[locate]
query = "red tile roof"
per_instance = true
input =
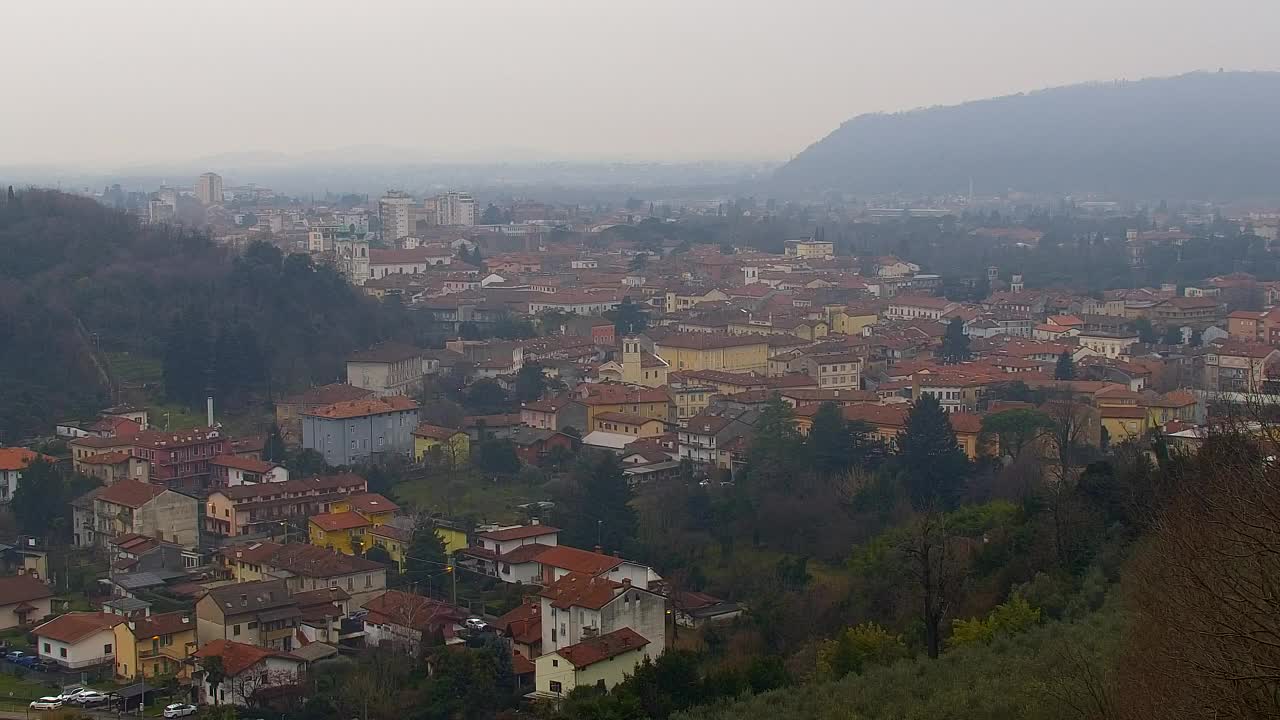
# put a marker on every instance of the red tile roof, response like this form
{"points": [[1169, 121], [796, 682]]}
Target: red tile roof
{"points": [[371, 503], [435, 432], [413, 611], [246, 464], [603, 647], [329, 394], [22, 588], [362, 408], [163, 624], [18, 458], [238, 657], [523, 624], [130, 493], [578, 589], [333, 522], [75, 626], [575, 560], [519, 533]]}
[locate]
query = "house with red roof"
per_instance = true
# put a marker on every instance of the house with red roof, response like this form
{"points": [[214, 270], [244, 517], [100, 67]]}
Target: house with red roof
{"points": [[599, 661], [77, 640], [247, 669], [580, 606], [13, 461], [134, 506], [232, 470], [23, 599]]}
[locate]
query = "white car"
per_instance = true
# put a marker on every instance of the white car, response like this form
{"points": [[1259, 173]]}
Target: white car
{"points": [[89, 698], [70, 693], [475, 624], [46, 703], [178, 710]]}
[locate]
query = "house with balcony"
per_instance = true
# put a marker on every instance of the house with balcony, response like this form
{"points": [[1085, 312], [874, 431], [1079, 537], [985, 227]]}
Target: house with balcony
{"points": [[305, 567], [180, 459], [704, 439], [155, 645], [404, 620], [136, 507], [1238, 366], [579, 606], [233, 470], [268, 508], [247, 670], [255, 613]]}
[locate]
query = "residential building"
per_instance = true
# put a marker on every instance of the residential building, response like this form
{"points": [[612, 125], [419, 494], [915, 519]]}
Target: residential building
{"points": [[600, 398], [132, 506], [555, 413], [1106, 344], [306, 567], [78, 640], [114, 466], [491, 551], [602, 661], [266, 508], [704, 439], [256, 613], [400, 619], [209, 189], [455, 208], [180, 459], [534, 445], [12, 462], [832, 370], [809, 249], [233, 470], [385, 369], [24, 599], [579, 606], [347, 433], [1236, 366], [523, 626], [340, 531], [394, 211], [246, 670], [913, 307], [628, 424], [154, 646], [410, 261], [289, 410], [395, 541], [449, 447]]}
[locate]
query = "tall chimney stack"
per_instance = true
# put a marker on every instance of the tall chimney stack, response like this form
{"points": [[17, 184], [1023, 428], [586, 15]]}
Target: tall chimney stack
{"points": [[208, 404]]}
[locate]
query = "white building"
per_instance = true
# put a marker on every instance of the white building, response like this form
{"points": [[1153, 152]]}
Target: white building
{"points": [[78, 639], [578, 607], [395, 210], [456, 208], [246, 669]]}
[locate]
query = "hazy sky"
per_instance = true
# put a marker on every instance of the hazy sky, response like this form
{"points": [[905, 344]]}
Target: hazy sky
{"points": [[94, 83]]}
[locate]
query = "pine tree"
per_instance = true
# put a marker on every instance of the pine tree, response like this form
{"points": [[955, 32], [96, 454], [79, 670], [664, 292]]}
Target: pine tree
{"points": [[955, 343], [274, 450], [426, 557], [600, 510], [1066, 368], [934, 466], [829, 443]]}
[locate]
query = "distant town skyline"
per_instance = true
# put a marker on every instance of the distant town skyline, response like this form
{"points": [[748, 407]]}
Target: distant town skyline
{"points": [[145, 82]]}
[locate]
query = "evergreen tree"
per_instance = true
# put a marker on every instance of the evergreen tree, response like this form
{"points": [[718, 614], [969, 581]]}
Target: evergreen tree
{"points": [[955, 343], [774, 447], [531, 382], [1066, 368], [426, 558], [629, 318], [40, 498], [599, 511], [274, 450], [934, 466], [1173, 335], [829, 443]]}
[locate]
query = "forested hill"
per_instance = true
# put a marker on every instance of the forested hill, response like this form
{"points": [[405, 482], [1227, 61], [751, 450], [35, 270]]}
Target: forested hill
{"points": [[75, 275], [1196, 136]]}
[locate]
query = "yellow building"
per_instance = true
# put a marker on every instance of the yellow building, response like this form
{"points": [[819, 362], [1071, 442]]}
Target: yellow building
{"points": [[441, 445], [714, 351], [342, 531], [600, 398], [851, 320], [345, 527], [395, 541], [1177, 405], [603, 660], [628, 424], [155, 646], [1124, 422]]}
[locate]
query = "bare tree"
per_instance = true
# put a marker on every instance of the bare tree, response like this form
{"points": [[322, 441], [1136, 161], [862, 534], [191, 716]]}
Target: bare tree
{"points": [[937, 562]]}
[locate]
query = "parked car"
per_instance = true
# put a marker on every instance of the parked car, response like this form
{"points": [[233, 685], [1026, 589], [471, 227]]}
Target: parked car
{"points": [[178, 710], [475, 624], [45, 666], [70, 692], [26, 660], [89, 698], [13, 655], [46, 703]]}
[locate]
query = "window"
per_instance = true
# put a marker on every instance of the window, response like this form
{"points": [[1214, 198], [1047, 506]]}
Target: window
{"points": [[368, 580], [235, 630], [555, 663], [62, 652], [555, 687], [253, 625], [351, 583], [46, 648]]}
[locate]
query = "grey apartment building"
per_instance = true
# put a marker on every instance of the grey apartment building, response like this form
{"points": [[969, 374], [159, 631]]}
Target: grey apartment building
{"points": [[346, 433]]}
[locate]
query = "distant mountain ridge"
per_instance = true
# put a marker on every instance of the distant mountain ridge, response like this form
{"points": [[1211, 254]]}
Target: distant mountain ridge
{"points": [[1199, 135]]}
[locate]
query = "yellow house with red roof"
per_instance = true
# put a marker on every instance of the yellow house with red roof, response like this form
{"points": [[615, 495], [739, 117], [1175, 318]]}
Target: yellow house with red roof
{"points": [[346, 526]]}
